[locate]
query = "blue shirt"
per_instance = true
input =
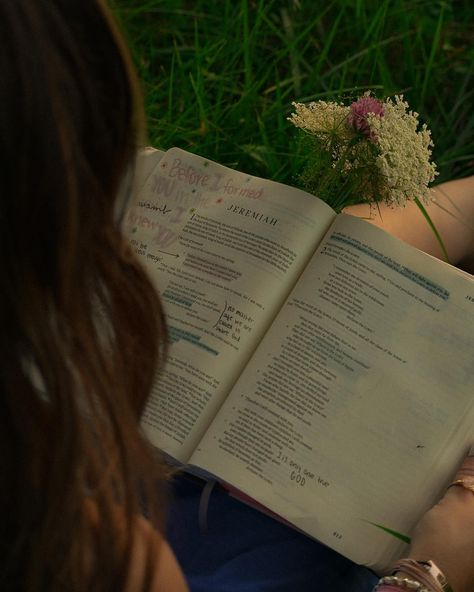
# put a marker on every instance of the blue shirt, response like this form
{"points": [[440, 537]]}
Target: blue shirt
{"points": [[244, 550]]}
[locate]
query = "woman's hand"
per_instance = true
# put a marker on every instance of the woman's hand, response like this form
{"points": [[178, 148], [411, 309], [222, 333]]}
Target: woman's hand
{"points": [[445, 534]]}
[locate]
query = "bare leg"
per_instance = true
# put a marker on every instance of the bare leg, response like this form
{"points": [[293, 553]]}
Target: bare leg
{"points": [[452, 212]]}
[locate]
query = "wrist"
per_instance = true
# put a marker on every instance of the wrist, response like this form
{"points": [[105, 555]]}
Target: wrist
{"points": [[400, 583], [414, 576], [426, 571]]}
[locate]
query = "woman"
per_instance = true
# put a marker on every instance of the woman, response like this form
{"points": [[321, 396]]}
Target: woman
{"points": [[82, 328]]}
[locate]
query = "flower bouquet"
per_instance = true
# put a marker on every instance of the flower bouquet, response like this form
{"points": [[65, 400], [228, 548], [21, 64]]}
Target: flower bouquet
{"points": [[368, 151]]}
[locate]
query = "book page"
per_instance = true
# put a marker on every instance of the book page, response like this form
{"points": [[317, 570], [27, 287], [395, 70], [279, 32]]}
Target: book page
{"points": [[145, 164], [358, 405], [224, 250]]}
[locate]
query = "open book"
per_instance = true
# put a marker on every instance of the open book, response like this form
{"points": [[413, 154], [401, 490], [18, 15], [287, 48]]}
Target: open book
{"points": [[317, 364]]}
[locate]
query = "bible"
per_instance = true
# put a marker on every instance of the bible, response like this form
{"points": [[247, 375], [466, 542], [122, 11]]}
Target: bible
{"points": [[317, 364]]}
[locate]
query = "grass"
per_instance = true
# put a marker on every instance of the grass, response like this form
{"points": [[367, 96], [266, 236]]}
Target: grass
{"points": [[219, 76]]}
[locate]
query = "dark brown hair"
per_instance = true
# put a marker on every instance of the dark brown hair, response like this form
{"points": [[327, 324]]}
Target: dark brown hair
{"points": [[81, 328]]}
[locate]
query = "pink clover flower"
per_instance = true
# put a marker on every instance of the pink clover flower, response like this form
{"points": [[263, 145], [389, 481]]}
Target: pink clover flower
{"points": [[357, 118]]}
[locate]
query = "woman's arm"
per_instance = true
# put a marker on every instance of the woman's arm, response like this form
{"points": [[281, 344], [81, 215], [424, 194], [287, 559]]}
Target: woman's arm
{"points": [[451, 210]]}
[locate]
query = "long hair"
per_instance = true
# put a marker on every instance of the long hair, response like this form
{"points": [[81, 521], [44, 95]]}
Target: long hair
{"points": [[81, 328]]}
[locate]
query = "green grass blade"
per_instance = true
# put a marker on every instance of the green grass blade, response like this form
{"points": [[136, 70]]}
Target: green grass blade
{"points": [[434, 48], [433, 227], [394, 533]]}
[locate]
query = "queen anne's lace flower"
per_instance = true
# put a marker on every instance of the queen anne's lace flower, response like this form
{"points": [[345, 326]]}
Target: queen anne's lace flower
{"points": [[321, 118], [405, 152]]}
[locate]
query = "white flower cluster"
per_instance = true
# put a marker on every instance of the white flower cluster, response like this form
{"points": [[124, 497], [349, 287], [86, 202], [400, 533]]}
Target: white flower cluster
{"points": [[405, 152], [322, 118]]}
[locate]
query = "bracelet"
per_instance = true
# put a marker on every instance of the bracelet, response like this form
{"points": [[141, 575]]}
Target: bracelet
{"points": [[388, 582], [427, 572]]}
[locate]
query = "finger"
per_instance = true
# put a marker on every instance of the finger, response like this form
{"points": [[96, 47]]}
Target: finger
{"points": [[466, 470], [463, 482]]}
